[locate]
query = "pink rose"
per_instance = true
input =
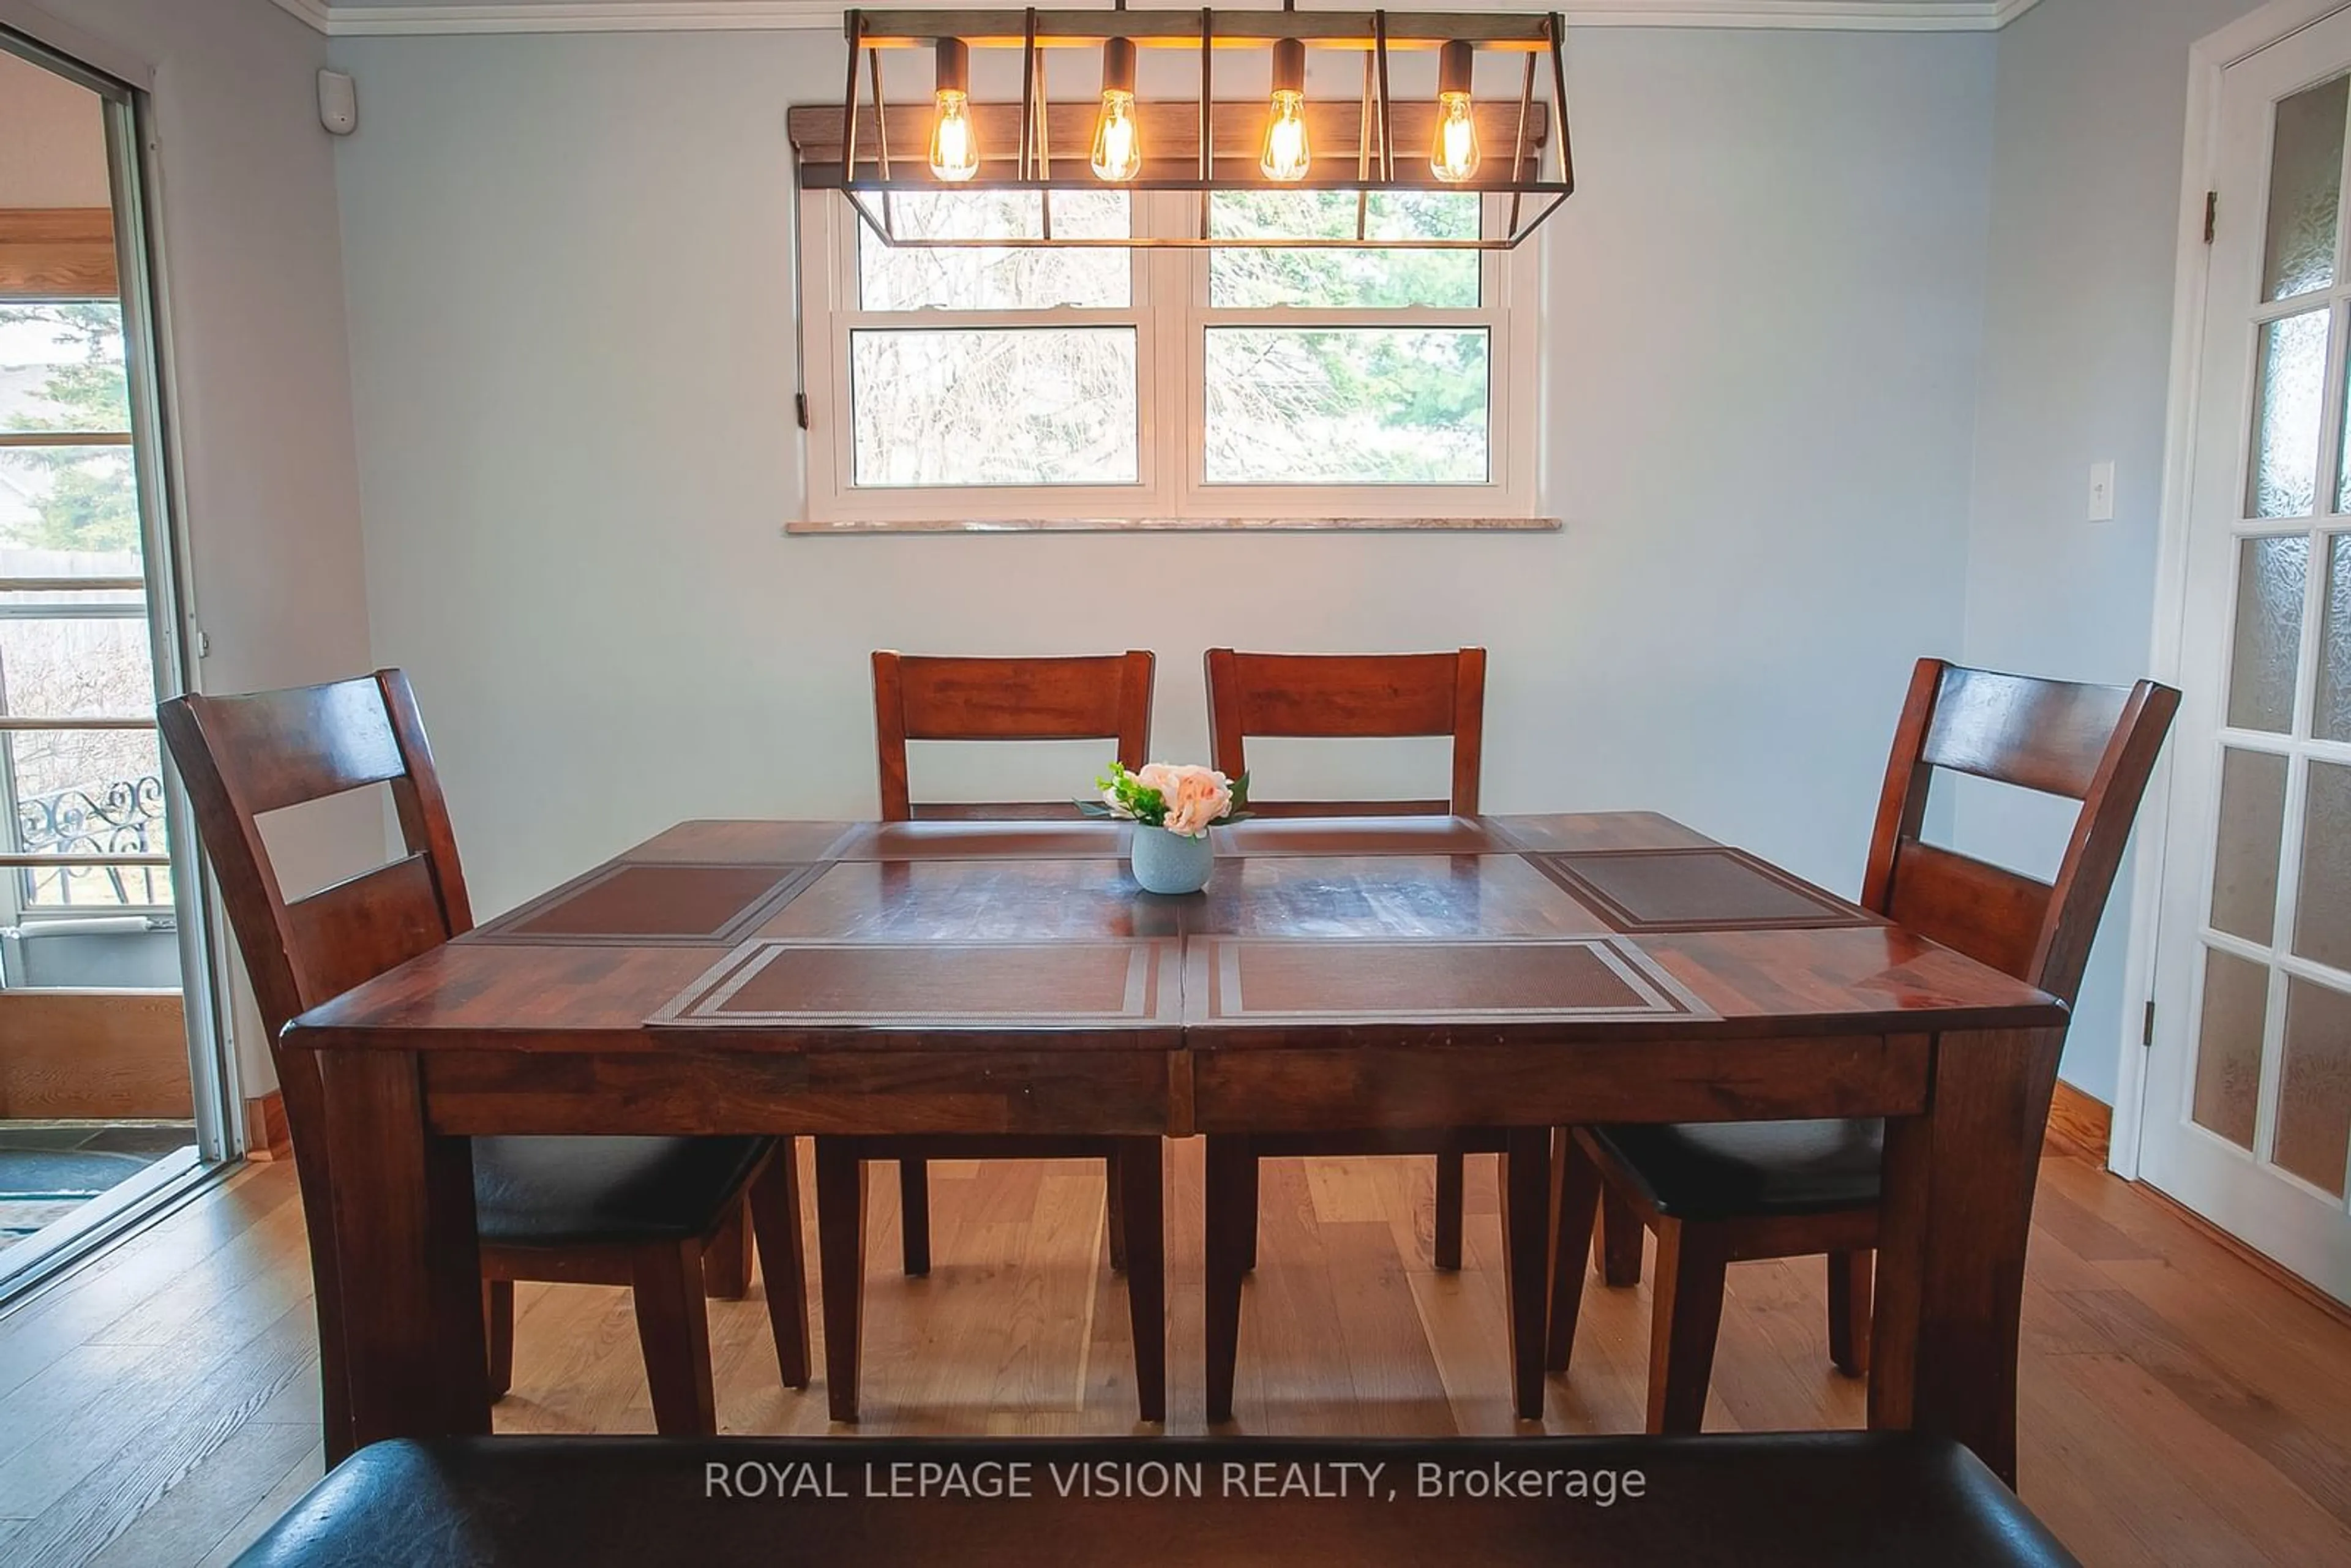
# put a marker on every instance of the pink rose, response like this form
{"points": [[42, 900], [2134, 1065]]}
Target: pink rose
{"points": [[1159, 776], [1199, 796]]}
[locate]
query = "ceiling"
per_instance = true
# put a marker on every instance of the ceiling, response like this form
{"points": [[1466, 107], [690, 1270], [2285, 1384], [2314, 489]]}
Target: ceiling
{"points": [[378, 17]]}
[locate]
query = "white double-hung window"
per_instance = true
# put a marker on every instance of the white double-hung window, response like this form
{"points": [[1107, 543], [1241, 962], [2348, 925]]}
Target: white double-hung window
{"points": [[1139, 386]]}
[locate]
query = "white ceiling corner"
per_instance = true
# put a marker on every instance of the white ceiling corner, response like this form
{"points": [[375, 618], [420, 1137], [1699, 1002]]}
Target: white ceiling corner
{"points": [[393, 18]]}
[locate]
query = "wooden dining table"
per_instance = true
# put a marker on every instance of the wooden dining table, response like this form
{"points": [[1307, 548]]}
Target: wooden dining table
{"points": [[1519, 972]]}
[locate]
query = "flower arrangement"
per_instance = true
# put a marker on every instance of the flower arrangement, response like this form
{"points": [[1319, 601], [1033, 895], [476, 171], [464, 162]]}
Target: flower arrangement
{"points": [[1182, 797]]}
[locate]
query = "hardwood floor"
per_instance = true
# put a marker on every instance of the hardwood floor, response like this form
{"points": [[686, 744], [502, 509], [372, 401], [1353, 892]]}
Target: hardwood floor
{"points": [[158, 1406]]}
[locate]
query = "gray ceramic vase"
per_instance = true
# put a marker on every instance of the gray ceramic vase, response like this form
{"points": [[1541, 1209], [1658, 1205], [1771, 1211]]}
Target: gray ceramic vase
{"points": [[1171, 862]]}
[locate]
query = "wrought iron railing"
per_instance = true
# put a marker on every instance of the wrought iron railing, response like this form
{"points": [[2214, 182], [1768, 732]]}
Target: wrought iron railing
{"points": [[121, 818]]}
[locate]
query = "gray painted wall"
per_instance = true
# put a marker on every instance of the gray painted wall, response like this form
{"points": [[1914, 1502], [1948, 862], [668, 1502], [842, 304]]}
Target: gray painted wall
{"points": [[567, 261], [584, 570], [1804, 422], [2088, 132]]}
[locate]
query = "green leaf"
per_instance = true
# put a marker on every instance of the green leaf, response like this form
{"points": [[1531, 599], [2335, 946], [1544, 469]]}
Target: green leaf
{"points": [[1143, 804]]}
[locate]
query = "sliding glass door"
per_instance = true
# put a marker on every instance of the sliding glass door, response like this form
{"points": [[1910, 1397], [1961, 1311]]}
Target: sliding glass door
{"points": [[112, 1090]]}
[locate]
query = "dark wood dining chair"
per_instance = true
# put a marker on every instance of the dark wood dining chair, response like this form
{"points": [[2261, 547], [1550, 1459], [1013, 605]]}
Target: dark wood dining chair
{"points": [[662, 1216], [1720, 1193], [1332, 696], [971, 699]]}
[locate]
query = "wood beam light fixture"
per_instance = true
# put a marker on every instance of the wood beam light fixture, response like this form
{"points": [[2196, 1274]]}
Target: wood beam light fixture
{"points": [[1512, 149]]}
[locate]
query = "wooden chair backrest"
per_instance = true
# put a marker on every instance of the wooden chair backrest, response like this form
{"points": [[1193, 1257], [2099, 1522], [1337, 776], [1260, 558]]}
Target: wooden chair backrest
{"points": [[1091, 699], [242, 757], [1370, 695], [2097, 745]]}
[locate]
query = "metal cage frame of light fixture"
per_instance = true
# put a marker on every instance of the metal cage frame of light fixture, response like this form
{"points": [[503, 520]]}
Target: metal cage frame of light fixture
{"points": [[1372, 33]]}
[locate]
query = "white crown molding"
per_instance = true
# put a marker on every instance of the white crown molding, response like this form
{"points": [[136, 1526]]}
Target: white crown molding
{"points": [[317, 13], [772, 16]]}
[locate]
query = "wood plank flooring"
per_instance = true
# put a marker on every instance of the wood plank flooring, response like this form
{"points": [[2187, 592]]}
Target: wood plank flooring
{"points": [[158, 1406]]}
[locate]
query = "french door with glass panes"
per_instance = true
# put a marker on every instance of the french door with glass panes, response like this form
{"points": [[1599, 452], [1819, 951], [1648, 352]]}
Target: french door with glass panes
{"points": [[2247, 1116]]}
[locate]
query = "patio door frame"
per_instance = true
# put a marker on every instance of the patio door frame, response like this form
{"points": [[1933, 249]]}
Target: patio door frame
{"points": [[2208, 60], [132, 169]]}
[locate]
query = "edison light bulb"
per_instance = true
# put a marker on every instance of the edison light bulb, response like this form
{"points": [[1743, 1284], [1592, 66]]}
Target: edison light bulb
{"points": [[1453, 157], [1286, 154], [1118, 151], [954, 151]]}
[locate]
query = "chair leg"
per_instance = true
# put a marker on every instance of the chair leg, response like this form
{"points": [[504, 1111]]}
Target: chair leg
{"points": [[1449, 1175], [841, 1248], [301, 1091], [1620, 1241], [1142, 1196], [1686, 1315], [497, 1323], [1577, 1180], [914, 1214], [1850, 1279], [727, 1259], [1231, 1224], [334, 1382], [1114, 1211], [1248, 1199], [674, 1329], [775, 1205]]}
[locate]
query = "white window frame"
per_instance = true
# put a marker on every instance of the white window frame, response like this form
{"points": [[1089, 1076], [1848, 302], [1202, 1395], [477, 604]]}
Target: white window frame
{"points": [[1170, 315], [20, 869]]}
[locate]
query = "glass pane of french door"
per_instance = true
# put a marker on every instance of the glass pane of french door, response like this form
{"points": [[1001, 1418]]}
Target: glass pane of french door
{"points": [[2314, 1130], [2305, 191], [2272, 579], [2229, 1053], [2272, 1068]]}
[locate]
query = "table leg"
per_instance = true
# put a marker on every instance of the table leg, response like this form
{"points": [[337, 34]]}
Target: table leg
{"points": [[1528, 1235], [840, 1268], [1958, 1210], [1230, 1222], [417, 1363], [1142, 1197]]}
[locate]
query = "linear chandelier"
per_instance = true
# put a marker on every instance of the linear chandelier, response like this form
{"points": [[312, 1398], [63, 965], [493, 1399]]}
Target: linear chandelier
{"points": [[872, 151]]}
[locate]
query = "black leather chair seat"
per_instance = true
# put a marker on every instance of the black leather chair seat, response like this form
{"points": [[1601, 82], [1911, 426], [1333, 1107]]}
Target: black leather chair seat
{"points": [[589, 1192], [1818, 1500], [1725, 1170]]}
